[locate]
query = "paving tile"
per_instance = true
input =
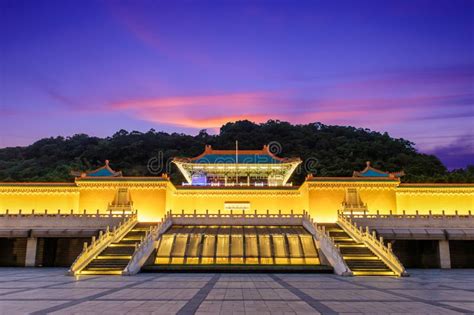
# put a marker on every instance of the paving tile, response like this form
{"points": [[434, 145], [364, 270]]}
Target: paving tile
{"points": [[40, 291], [25, 307], [438, 295], [387, 308]]}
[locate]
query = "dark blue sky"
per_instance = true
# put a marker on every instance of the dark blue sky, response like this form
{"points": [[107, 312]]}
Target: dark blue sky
{"points": [[406, 67]]}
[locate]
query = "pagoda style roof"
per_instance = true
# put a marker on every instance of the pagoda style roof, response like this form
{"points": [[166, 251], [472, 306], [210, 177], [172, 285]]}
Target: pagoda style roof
{"points": [[370, 171], [250, 163], [263, 156], [103, 171]]}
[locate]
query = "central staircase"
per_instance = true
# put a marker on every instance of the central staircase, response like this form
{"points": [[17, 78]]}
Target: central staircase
{"points": [[114, 259], [358, 257]]}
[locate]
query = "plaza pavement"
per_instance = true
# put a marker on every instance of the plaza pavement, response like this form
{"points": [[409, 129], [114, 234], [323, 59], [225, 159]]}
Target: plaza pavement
{"points": [[49, 291]]}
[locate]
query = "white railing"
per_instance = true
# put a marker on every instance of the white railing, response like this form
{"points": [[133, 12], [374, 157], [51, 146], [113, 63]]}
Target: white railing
{"points": [[377, 246], [90, 252], [63, 213], [145, 248], [328, 247], [416, 215], [237, 214]]}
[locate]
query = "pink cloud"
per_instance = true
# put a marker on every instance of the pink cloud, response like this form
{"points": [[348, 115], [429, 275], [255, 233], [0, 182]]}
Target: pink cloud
{"points": [[211, 111]]}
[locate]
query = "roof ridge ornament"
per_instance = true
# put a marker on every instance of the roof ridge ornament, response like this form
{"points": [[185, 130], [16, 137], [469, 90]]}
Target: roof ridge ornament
{"points": [[103, 171], [370, 171]]}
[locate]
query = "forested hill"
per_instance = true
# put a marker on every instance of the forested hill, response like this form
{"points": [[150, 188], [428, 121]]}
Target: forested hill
{"points": [[328, 151]]}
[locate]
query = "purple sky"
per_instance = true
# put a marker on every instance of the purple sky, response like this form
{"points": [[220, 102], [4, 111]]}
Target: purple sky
{"points": [[406, 67]]}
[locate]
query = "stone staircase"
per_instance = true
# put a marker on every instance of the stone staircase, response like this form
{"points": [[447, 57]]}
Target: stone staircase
{"points": [[360, 259], [116, 256]]}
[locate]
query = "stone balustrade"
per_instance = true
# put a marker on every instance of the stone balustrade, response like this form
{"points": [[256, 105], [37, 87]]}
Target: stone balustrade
{"points": [[416, 220], [57, 224], [237, 218]]}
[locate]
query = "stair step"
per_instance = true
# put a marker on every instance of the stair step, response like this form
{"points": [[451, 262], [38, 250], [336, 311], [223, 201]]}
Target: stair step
{"points": [[109, 257], [373, 273], [100, 272], [121, 245], [360, 258]]}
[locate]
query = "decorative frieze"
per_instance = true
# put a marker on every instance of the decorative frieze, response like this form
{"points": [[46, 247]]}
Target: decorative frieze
{"points": [[358, 185], [28, 190], [237, 193], [115, 185], [413, 191]]}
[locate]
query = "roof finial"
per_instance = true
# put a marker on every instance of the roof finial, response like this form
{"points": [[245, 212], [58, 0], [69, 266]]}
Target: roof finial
{"points": [[368, 163], [107, 162]]}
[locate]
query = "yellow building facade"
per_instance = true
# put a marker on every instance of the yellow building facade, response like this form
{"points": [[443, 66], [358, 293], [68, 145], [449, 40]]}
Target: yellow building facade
{"points": [[237, 186]]}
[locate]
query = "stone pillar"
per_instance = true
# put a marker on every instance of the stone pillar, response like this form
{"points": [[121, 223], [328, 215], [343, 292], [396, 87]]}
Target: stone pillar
{"points": [[444, 255], [31, 244]]}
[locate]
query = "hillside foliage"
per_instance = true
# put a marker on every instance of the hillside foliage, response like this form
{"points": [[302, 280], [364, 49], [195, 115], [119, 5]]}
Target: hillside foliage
{"points": [[326, 151]]}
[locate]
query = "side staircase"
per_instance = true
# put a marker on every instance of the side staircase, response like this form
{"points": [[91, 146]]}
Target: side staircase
{"points": [[114, 258], [358, 257]]}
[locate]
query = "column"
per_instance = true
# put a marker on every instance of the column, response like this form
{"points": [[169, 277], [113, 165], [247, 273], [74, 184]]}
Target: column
{"points": [[31, 244], [444, 256]]}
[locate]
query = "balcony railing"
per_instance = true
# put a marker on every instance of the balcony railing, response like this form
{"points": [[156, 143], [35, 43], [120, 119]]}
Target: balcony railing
{"points": [[65, 213]]}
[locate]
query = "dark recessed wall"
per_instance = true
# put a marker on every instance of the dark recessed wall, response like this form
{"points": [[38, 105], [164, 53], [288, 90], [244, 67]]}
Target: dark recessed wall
{"points": [[417, 253], [462, 254], [12, 252], [58, 252]]}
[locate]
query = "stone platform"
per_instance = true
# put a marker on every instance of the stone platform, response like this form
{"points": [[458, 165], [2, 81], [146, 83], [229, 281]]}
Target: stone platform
{"points": [[44, 291]]}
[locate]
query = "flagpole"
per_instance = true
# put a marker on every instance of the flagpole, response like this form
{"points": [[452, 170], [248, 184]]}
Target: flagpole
{"points": [[236, 161]]}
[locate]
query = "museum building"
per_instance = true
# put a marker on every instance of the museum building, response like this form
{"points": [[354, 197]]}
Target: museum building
{"points": [[237, 211]]}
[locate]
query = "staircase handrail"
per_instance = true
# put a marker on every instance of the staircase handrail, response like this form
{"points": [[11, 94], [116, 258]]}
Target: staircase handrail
{"points": [[328, 247], [384, 252], [91, 251], [146, 246]]}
